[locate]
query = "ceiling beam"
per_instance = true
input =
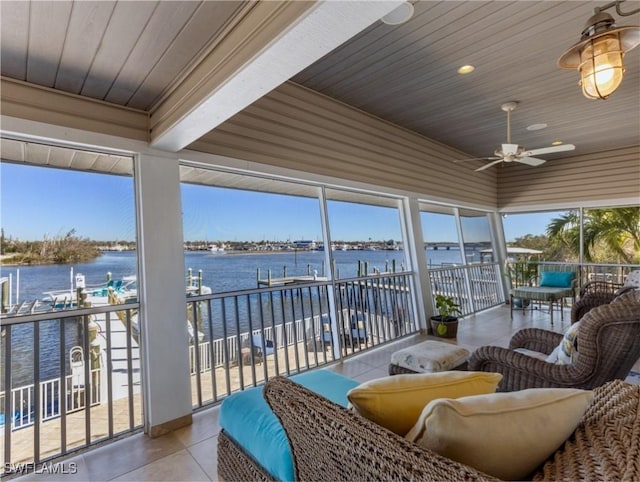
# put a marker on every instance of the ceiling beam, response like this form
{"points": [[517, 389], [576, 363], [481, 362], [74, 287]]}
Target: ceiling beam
{"points": [[270, 44]]}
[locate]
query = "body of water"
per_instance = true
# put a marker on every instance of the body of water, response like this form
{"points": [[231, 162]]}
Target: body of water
{"points": [[221, 272]]}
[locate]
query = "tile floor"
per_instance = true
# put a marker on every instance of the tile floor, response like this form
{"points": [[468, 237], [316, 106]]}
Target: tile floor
{"points": [[189, 454]]}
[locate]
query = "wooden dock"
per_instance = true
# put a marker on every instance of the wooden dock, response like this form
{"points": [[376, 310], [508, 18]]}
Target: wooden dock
{"points": [[289, 280], [286, 280]]}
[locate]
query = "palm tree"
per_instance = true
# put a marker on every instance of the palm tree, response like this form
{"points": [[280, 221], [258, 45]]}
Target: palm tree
{"points": [[612, 234]]}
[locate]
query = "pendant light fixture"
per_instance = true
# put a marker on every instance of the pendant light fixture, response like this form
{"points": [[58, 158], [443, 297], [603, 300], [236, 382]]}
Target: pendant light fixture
{"points": [[598, 56]]}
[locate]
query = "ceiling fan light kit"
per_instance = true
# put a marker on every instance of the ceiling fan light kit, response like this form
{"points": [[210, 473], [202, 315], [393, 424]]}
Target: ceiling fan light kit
{"points": [[510, 152], [598, 56]]}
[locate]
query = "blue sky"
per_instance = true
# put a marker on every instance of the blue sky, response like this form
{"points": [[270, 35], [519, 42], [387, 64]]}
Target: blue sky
{"points": [[38, 201]]}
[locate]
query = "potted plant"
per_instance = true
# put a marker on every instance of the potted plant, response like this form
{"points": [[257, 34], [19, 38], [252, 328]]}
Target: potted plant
{"points": [[445, 324]]}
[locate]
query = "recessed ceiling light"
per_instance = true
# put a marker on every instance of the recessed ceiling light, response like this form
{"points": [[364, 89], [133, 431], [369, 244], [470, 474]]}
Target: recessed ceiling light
{"points": [[466, 69], [556, 143], [400, 15], [536, 127]]}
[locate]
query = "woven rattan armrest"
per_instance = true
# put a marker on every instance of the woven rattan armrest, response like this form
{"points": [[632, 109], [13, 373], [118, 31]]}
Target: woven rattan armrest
{"points": [[588, 302], [520, 371], [536, 339], [332, 443]]}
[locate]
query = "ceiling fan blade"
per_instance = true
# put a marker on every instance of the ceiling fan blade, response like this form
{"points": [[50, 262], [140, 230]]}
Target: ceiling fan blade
{"points": [[477, 159], [486, 166], [549, 150], [530, 161]]}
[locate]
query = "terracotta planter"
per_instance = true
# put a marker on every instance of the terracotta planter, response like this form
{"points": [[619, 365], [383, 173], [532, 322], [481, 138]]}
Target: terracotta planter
{"points": [[450, 325]]}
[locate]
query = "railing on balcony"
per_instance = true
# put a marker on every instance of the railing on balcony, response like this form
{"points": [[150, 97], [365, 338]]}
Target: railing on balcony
{"points": [[523, 273], [245, 337], [70, 379], [51, 392], [474, 287]]}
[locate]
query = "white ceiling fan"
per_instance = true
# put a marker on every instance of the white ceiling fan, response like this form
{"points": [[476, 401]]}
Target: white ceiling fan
{"points": [[513, 152]]}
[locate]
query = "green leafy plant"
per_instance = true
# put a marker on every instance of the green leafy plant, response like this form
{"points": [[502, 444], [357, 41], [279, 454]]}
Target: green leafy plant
{"points": [[447, 309], [521, 273]]}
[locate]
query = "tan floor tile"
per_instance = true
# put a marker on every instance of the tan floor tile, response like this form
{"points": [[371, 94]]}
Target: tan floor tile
{"points": [[379, 372], [205, 425], [180, 466], [350, 368], [71, 469], [205, 453], [131, 453]]}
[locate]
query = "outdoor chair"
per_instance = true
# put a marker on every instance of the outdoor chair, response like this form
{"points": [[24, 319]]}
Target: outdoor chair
{"points": [[261, 347], [608, 345], [596, 293], [326, 332], [321, 339], [554, 284], [358, 328]]}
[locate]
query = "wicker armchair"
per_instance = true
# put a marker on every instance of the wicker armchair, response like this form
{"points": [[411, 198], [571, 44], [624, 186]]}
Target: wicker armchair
{"points": [[596, 293], [608, 347], [592, 294]]}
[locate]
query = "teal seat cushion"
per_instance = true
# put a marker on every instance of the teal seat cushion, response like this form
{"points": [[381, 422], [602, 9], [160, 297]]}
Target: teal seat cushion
{"points": [[557, 279], [246, 418]]}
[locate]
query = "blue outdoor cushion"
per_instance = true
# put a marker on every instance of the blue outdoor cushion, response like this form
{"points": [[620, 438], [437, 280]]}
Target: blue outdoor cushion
{"points": [[246, 418], [557, 279]]}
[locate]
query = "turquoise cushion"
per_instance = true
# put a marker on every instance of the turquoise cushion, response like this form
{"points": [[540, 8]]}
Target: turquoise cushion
{"points": [[246, 418], [556, 279]]}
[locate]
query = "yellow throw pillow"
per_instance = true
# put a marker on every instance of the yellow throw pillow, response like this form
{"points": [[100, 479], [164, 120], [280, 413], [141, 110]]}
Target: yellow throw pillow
{"points": [[395, 402], [506, 435]]}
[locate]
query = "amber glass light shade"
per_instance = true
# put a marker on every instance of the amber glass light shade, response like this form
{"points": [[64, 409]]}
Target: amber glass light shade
{"points": [[601, 68]]}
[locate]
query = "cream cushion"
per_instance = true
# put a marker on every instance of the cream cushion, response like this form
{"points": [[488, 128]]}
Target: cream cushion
{"points": [[532, 353], [633, 279], [430, 356], [395, 402], [506, 435]]}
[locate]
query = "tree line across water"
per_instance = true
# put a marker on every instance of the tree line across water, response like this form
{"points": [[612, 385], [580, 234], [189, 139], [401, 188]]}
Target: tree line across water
{"points": [[61, 249], [609, 236]]}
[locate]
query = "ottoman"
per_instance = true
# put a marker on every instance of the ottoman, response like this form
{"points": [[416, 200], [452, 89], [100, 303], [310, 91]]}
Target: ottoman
{"points": [[429, 357]]}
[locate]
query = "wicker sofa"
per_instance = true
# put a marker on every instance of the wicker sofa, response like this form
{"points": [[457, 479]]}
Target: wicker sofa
{"points": [[331, 443]]}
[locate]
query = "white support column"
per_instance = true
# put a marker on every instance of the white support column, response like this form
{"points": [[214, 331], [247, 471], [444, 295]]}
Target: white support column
{"points": [[164, 353], [328, 260], [499, 248], [414, 247]]}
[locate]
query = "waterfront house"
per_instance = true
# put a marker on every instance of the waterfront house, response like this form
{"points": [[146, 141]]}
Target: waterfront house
{"points": [[312, 98]]}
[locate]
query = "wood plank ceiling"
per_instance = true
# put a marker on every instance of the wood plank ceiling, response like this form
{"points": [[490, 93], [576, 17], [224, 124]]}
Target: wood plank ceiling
{"points": [[407, 75], [134, 54], [126, 53]]}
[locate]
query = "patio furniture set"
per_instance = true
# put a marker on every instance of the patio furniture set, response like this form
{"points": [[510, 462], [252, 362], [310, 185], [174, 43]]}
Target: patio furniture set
{"points": [[301, 428]]}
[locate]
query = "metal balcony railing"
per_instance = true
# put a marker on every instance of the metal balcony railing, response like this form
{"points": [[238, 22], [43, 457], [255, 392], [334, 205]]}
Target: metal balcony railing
{"points": [[70, 379], [523, 273], [243, 338], [474, 287]]}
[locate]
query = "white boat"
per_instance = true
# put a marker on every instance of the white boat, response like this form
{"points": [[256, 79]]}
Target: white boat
{"points": [[120, 291], [123, 290]]}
